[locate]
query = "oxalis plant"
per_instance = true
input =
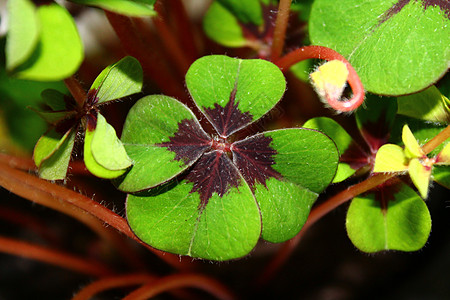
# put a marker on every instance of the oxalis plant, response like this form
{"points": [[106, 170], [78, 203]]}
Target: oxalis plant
{"points": [[198, 156]]}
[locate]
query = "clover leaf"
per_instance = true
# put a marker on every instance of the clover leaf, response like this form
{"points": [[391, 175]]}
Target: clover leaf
{"points": [[380, 39], [104, 154], [391, 218], [209, 193]]}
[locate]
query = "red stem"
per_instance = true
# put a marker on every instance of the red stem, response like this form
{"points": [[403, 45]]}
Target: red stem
{"points": [[176, 281], [73, 204], [183, 28], [27, 164], [58, 258], [77, 91], [153, 65], [281, 24], [170, 42], [325, 53], [28, 221], [437, 140], [89, 291]]}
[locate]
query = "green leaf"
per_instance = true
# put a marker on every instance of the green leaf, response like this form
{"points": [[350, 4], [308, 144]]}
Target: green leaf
{"points": [[24, 126], [151, 121], [118, 80], [412, 147], [221, 26], [59, 51], [405, 225], [54, 166], [390, 158], [54, 99], [396, 47], [376, 119], [420, 176], [305, 157], [421, 130], [441, 174], [47, 145], [342, 139], [302, 69], [254, 86], [23, 33], [104, 154], [247, 11], [428, 105], [133, 8], [171, 218], [306, 160], [53, 118]]}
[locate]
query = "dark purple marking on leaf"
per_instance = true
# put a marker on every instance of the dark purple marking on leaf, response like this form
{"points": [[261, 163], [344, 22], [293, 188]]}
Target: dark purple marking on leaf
{"points": [[444, 5], [213, 173], [91, 121], [386, 192], [92, 97], [226, 120], [395, 9], [376, 134], [254, 158], [355, 156], [189, 142], [265, 31]]}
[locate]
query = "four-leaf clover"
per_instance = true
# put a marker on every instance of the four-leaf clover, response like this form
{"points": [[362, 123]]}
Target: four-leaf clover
{"points": [[209, 194]]}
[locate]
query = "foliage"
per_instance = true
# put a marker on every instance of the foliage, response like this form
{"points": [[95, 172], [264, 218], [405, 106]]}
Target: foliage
{"points": [[210, 173], [229, 187], [53, 150], [380, 40]]}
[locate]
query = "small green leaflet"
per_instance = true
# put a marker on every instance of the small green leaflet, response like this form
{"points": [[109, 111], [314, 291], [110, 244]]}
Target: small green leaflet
{"points": [[118, 80], [104, 154], [404, 224], [52, 154]]}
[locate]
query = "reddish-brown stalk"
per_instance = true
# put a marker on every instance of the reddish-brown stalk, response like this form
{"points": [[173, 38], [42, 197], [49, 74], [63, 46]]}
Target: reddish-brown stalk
{"points": [[77, 91], [58, 258], [279, 33], [72, 204], [27, 164], [177, 281], [104, 284], [32, 223], [437, 140], [20, 163], [13, 182], [169, 40], [153, 65], [183, 28], [308, 52]]}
